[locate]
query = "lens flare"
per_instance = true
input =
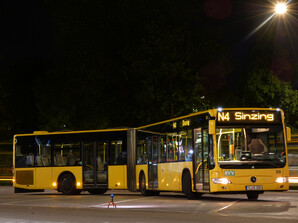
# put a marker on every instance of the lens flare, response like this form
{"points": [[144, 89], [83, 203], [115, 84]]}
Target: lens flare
{"points": [[281, 8]]}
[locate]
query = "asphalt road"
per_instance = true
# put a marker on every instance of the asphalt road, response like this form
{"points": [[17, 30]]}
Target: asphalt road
{"points": [[51, 206]]}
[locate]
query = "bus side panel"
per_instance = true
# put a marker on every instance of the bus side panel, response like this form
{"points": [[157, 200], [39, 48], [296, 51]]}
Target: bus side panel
{"points": [[75, 170], [140, 168], [117, 177], [43, 176], [170, 175], [25, 178]]}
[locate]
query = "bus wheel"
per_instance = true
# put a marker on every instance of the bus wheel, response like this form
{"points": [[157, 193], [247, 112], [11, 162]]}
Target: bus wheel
{"points": [[142, 183], [186, 186], [97, 191], [252, 196], [68, 185]]}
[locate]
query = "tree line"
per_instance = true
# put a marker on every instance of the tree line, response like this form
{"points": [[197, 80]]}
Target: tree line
{"points": [[100, 64]]}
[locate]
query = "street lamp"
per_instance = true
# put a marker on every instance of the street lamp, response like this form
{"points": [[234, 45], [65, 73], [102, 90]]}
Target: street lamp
{"points": [[280, 8]]}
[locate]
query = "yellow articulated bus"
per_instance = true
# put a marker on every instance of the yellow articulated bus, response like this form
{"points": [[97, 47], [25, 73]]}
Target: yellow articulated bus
{"points": [[238, 150]]}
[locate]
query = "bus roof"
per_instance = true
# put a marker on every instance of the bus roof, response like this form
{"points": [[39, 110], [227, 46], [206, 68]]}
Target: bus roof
{"points": [[72, 132], [212, 113]]}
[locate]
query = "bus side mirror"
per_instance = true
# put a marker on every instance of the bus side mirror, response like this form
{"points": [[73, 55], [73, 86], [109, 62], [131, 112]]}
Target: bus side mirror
{"points": [[211, 127], [289, 136]]}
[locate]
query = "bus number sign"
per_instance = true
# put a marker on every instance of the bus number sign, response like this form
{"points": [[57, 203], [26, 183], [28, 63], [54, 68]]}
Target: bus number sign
{"points": [[182, 123], [245, 116]]}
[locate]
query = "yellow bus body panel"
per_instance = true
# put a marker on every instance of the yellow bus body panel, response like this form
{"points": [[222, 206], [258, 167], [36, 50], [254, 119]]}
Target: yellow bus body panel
{"points": [[242, 178], [170, 175], [44, 177], [139, 168], [117, 177]]}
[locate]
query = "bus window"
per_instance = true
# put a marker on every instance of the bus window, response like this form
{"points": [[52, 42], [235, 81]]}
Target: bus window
{"points": [[172, 148], [117, 154], [249, 144], [185, 145], [101, 148], [155, 150], [162, 150], [25, 153], [276, 143], [141, 152], [67, 154], [43, 156], [230, 144]]}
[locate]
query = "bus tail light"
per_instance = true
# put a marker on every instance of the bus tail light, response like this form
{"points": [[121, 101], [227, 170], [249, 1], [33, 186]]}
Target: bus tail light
{"points": [[221, 181]]}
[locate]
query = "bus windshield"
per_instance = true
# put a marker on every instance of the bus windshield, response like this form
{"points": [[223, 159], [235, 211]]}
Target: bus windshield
{"points": [[257, 147]]}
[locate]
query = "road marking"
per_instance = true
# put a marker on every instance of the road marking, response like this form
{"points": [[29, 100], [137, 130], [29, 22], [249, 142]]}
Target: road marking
{"points": [[223, 208]]}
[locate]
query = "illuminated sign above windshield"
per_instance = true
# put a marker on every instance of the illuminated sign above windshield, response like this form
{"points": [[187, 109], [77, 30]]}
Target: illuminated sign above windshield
{"points": [[247, 116], [182, 123]]}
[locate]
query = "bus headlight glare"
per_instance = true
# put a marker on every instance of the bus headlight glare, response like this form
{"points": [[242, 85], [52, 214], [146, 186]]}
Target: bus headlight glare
{"points": [[281, 180], [221, 181]]}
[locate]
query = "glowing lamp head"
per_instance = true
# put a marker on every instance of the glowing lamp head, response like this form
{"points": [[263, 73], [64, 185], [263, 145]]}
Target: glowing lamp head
{"points": [[281, 8]]}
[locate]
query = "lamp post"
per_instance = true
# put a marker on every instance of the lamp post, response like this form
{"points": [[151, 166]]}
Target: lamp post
{"points": [[281, 8]]}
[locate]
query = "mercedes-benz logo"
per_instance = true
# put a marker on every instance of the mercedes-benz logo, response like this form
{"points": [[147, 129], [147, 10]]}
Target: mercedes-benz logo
{"points": [[253, 179]]}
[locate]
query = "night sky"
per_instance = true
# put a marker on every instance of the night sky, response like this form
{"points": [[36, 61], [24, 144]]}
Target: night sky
{"points": [[98, 64]]}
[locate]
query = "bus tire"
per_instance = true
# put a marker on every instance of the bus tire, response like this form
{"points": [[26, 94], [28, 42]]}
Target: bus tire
{"points": [[252, 195], [67, 185], [97, 191], [186, 186], [142, 183]]}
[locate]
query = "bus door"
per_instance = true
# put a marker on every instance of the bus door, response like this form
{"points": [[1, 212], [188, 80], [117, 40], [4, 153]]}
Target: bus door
{"points": [[95, 166], [152, 163], [201, 169]]}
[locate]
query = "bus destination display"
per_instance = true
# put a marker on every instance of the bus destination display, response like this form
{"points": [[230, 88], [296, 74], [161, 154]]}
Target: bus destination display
{"points": [[248, 116]]}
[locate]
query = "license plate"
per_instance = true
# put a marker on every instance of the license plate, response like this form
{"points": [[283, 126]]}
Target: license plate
{"points": [[254, 187]]}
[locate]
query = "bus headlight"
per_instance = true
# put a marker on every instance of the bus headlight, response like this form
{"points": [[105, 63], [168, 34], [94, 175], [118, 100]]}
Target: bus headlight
{"points": [[221, 181], [281, 180]]}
